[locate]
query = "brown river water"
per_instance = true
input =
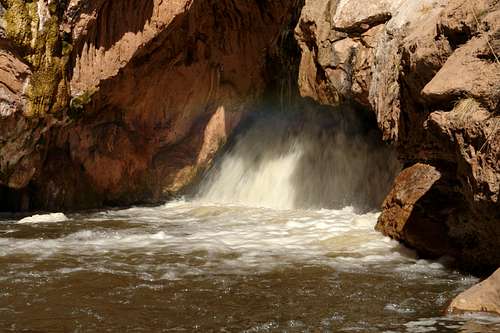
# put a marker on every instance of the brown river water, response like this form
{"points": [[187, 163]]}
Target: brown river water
{"points": [[255, 250], [186, 267]]}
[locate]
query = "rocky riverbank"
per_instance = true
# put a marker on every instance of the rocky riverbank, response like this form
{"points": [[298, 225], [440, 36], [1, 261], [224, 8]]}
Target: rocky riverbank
{"points": [[429, 71]]}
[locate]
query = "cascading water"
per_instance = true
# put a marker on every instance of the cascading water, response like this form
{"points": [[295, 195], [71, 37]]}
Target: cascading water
{"points": [[227, 259], [306, 160]]}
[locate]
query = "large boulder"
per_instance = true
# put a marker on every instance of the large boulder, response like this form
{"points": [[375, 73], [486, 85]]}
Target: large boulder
{"points": [[483, 297], [404, 217]]}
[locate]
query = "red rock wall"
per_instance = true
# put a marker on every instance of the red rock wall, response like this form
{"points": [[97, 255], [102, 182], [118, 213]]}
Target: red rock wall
{"points": [[157, 88]]}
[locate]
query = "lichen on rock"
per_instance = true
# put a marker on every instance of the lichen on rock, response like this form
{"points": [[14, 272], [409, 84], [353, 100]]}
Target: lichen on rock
{"points": [[143, 90], [20, 18], [79, 101], [156, 88]]}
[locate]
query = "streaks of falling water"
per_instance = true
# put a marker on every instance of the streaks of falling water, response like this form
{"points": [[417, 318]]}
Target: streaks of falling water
{"points": [[284, 161]]}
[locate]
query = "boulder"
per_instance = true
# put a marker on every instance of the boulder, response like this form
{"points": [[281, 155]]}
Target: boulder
{"points": [[403, 218], [483, 297]]}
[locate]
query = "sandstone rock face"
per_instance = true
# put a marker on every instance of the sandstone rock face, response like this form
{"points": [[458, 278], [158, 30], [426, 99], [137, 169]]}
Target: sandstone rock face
{"points": [[483, 297], [429, 70], [404, 217], [155, 89]]}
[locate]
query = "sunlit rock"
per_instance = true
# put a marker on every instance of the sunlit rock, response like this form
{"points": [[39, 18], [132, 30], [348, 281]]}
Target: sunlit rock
{"points": [[483, 297]]}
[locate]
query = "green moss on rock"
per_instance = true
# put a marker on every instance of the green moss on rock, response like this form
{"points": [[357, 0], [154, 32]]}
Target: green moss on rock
{"points": [[43, 49], [19, 18], [67, 48], [78, 102]]}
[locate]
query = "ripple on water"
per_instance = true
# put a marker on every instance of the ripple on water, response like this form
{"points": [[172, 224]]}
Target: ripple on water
{"points": [[258, 269]]}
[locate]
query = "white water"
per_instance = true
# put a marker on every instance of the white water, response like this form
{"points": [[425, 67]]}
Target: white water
{"points": [[273, 210], [231, 239], [172, 251], [44, 218], [285, 163], [262, 206]]}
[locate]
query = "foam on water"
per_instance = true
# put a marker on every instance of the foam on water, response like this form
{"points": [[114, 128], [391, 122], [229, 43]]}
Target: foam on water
{"points": [[186, 227], [269, 226], [44, 218], [225, 239], [468, 322], [261, 206]]}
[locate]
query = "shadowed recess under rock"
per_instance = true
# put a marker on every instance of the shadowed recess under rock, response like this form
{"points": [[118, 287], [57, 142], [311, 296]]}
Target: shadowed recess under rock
{"points": [[304, 159]]}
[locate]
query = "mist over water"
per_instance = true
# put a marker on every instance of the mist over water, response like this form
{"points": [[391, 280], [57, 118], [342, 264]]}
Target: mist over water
{"points": [[305, 160]]}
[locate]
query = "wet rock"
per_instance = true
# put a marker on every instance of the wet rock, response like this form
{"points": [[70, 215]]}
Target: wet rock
{"points": [[483, 297], [120, 102]]}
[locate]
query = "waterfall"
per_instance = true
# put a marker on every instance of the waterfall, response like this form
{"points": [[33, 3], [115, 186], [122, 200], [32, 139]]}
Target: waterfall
{"points": [[303, 160]]}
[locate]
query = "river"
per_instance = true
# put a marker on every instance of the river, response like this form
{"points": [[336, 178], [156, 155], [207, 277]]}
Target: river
{"points": [[275, 241]]}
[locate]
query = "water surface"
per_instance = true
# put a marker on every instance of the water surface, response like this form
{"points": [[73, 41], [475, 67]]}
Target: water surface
{"points": [[191, 266], [254, 250]]}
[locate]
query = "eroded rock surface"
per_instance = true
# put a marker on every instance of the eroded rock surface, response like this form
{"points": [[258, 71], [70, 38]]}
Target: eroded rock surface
{"points": [[156, 87], [429, 70], [483, 297], [404, 217]]}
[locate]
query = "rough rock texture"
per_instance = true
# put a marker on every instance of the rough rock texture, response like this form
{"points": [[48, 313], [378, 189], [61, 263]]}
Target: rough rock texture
{"points": [[404, 217], [429, 70], [483, 297], [33, 87], [152, 89]]}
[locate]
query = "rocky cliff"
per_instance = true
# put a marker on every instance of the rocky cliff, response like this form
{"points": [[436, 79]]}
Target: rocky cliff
{"points": [[118, 102], [429, 70]]}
